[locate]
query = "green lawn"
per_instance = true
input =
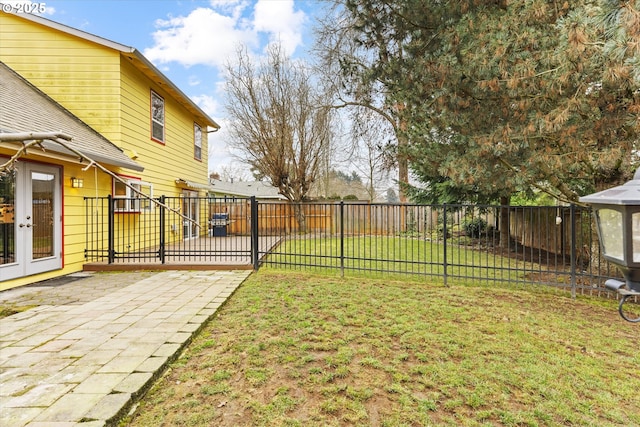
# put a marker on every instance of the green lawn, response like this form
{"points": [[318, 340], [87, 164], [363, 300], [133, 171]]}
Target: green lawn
{"points": [[399, 256], [298, 349]]}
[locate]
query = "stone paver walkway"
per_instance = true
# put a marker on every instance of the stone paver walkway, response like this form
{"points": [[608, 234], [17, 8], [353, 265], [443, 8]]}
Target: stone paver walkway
{"points": [[90, 347]]}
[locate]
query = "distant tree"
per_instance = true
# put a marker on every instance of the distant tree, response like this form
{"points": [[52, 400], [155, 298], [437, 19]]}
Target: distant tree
{"points": [[230, 173], [361, 97], [376, 152], [392, 197], [279, 121], [338, 184], [348, 178]]}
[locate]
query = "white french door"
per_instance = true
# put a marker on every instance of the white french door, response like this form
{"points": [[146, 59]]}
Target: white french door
{"points": [[190, 210], [30, 220]]}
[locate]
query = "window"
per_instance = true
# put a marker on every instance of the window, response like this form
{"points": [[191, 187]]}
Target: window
{"points": [[197, 142], [157, 117], [127, 200]]}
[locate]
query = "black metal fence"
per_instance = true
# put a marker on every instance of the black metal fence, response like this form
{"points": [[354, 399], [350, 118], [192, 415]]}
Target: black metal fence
{"points": [[517, 245], [188, 230], [509, 244]]}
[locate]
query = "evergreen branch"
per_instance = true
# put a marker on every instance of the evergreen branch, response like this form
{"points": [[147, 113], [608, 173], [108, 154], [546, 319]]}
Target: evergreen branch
{"points": [[568, 197], [540, 74], [404, 17]]}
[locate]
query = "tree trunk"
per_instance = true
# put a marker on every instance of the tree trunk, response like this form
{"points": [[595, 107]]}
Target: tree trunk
{"points": [[301, 219], [504, 223], [403, 167]]}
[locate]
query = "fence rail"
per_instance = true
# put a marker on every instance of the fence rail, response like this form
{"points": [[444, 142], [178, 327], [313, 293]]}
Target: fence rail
{"points": [[177, 230], [511, 244]]}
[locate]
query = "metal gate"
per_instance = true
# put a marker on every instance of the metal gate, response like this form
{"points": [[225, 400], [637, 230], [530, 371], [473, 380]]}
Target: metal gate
{"points": [[137, 230]]}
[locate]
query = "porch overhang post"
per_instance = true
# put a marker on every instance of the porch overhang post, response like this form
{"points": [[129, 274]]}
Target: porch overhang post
{"points": [[111, 229]]}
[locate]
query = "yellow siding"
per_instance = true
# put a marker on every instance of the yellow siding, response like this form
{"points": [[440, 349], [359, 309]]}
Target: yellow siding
{"points": [[108, 93], [79, 74], [163, 163], [73, 219], [105, 90]]}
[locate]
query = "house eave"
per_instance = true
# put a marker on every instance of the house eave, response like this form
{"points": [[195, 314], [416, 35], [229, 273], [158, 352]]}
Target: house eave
{"points": [[138, 60], [52, 150], [192, 184]]}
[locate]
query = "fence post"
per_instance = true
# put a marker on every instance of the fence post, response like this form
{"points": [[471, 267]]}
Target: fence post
{"points": [[110, 230], [341, 238], [162, 230], [254, 234], [444, 226], [87, 223], [572, 211]]}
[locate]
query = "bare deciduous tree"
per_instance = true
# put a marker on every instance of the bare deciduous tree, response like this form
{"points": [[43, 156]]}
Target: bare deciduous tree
{"points": [[280, 122], [232, 173], [344, 61]]}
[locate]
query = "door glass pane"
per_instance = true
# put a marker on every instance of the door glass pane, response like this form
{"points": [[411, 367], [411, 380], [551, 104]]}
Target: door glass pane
{"points": [[7, 226], [190, 210], [43, 189]]}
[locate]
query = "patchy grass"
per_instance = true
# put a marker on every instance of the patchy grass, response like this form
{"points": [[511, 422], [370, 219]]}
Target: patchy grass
{"points": [[293, 349], [10, 310]]}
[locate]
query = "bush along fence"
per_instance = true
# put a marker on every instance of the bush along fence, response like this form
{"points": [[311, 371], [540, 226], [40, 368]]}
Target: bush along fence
{"points": [[554, 246]]}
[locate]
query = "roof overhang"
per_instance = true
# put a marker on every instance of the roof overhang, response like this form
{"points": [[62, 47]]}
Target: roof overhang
{"points": [[191, 184], [53, 150], [137, 59], [148, 69], [131, 165]]}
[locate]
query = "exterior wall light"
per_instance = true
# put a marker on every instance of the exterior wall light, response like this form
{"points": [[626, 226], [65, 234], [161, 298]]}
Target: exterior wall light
{"points": [[617, 212], [77, 183]]}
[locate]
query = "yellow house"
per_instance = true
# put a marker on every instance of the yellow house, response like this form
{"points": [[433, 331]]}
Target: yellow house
{"points": [[156, 138]]}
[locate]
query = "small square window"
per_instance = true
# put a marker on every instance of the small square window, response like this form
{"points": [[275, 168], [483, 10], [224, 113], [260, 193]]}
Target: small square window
{"points": [[128, 200], [157, 117], [197, 142]]}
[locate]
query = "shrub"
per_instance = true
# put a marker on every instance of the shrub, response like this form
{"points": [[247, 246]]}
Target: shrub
{"points": [[475, 227]]}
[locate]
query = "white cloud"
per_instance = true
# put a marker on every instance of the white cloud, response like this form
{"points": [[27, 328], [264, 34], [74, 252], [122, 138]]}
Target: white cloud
{"points": [[208, 104], [220, 155], [281, 22], [211, 36], [229, 6], [203, 37]]}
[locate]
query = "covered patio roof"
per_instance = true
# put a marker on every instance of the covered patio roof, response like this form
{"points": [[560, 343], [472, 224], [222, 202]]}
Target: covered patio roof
{"points": [[25, 108]]}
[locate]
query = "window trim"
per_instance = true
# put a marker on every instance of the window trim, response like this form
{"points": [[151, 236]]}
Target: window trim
{"points": [[131, 202], [197, 149], [153, 95]]}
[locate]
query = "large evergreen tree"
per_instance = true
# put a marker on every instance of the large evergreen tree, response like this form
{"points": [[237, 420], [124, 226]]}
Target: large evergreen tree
{"points": [[504, 96]]}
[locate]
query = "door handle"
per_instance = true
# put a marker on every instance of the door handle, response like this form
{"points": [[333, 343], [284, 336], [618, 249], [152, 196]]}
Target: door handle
{"points": [[24, 225]]}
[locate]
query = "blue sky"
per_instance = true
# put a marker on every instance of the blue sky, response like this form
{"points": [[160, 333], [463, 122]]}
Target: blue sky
{"points": [[191, 40]]}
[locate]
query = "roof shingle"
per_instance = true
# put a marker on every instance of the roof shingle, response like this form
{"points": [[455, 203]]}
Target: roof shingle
{"points": [[25, 108]]}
